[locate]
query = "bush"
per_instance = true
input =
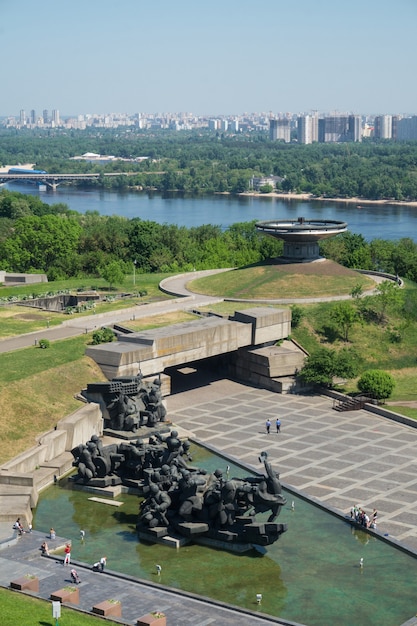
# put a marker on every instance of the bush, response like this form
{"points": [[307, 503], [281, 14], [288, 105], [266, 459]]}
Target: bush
{"points": [[44, 343], [103, 335], [297, 314], [376, 384]]}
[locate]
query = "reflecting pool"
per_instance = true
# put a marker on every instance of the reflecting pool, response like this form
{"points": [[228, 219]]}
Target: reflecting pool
{"points": [[311, 575]]}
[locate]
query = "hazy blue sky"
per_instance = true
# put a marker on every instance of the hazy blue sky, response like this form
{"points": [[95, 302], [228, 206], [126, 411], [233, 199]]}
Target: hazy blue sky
{"points": [[208, 57]]}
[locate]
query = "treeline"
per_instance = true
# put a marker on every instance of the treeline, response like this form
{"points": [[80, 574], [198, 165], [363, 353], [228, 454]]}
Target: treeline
{"points": [[37, 237], [205, 163]]}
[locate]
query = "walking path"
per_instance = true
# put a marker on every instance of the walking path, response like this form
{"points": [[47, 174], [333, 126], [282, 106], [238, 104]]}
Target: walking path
{"points": [[137, 597]]}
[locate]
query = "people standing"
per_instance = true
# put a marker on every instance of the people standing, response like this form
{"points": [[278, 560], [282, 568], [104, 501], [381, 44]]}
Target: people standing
{"points": [[103, 562], [67, 559], [268, 426], [278, 425]]}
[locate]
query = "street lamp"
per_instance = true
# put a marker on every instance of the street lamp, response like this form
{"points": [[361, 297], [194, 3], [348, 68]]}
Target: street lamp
{"points": [[134, 272]]}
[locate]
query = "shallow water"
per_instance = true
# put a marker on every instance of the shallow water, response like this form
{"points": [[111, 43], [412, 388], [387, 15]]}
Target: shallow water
{"points": [[311, 575]]}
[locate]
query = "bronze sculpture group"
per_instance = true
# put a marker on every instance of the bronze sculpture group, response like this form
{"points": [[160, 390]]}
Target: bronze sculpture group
{"points": [[177, 497], [128, 403]]}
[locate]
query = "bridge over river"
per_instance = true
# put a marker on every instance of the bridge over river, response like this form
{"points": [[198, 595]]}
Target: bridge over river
{"points": [[53, 180]]}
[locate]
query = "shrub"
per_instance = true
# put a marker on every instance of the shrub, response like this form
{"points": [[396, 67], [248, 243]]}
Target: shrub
{"points": [[44, 343], [297, 315], [103, 335], [376, 384]]}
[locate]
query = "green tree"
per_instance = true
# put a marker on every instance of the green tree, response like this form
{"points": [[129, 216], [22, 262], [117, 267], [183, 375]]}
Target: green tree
{"points": [[344, 315], [113, 273], [357, 291], [266, 188], [389, 295], [42, 244], [324, 365], [376, 384]]}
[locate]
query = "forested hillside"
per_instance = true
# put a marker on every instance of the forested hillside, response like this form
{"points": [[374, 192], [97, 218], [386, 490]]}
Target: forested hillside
{"points": [[37, 237]]}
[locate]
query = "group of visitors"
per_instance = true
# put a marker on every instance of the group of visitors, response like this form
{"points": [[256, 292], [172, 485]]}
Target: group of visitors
{"points": [[97, 567], [268, 425], [362, 518]]}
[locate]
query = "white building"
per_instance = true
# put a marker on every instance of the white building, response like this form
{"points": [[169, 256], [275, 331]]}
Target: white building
{"points": [[307, 128], [383, 127]]}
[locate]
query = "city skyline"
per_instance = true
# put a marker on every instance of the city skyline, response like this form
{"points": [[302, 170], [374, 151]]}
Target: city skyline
{"points": [[210, 59]]}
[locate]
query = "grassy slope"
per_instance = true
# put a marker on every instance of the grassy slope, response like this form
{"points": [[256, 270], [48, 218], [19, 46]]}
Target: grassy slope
{"points": [[37, 388], [275, 281]]}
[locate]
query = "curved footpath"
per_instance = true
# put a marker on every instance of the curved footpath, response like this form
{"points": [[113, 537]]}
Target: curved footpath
{"points": [[176, 286]]}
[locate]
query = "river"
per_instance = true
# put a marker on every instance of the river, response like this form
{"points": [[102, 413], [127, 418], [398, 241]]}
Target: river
{"points": [[372, 221]]}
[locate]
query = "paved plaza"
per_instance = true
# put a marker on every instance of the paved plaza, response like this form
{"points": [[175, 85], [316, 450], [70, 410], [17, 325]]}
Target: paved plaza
{"points": [[339, 459]]}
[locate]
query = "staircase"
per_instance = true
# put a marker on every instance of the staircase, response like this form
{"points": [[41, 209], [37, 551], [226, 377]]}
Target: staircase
{"points": [[351, 404]]}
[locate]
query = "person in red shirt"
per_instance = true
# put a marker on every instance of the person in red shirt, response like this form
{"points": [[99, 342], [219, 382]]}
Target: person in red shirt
{"points": [[67, 559]]}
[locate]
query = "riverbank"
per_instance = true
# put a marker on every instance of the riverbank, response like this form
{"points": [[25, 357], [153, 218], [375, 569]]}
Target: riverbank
{"points": [[309, 197]]}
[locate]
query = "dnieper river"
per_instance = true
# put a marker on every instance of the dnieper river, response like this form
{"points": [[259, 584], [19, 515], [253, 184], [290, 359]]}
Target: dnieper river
{"points": [[372, 221]]}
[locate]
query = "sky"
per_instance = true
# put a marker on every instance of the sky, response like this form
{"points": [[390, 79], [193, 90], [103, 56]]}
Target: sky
{"points": [[216, 57]]}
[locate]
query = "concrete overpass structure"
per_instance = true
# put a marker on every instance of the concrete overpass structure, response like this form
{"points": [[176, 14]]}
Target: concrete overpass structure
{"points": [[241, 336]]}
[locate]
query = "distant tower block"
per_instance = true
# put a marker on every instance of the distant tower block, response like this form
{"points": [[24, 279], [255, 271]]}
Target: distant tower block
{"points": [[301, 236]]}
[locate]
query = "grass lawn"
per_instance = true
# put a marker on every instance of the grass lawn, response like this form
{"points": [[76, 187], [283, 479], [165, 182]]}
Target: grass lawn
{"points": [[275, 281], [18, 608], [148, 282], [17, 320]]}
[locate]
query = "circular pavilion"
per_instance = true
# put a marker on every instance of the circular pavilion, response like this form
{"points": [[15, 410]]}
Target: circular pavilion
{"points": [[301, 236]]}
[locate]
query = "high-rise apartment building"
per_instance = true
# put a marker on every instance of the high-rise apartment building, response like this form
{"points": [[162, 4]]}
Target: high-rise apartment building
{"points": [[339, 128], [45, 116], [407, 129], [22, 117], [307, 128], [55, 117], [383, 127], [280, 130], [33, 117]]}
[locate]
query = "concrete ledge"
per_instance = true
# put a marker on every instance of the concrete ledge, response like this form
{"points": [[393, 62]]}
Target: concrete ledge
{"points": [[14, 506], [26, 583], [66, 594], [152, 619], [55, 442], [81, 425], [108, 608], [27, 461]]}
